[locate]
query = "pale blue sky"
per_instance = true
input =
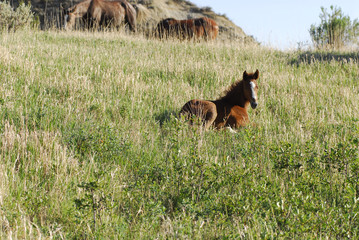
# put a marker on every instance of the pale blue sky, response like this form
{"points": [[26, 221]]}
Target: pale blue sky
{"points": [[278, 23]]}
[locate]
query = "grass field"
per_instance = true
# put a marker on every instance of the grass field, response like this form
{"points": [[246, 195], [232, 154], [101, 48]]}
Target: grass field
{"points": [[91, 147]]}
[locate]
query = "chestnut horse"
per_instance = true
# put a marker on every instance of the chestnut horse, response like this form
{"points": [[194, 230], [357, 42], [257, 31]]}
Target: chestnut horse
{"points": [[187, 29], [97, 13], [229, 110]]}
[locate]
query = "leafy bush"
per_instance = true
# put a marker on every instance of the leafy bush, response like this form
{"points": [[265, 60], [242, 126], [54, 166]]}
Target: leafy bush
{"points": [[335, 29], [11, 19]]}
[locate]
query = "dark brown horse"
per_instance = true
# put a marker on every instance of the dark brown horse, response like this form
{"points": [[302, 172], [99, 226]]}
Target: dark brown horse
{"points": [[104, 13], [187, 29], [229, 110]]}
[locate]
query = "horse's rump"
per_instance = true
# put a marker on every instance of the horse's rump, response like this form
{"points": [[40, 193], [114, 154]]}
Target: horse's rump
{"points": [[206, 28], [204, 111], [187, 29]]}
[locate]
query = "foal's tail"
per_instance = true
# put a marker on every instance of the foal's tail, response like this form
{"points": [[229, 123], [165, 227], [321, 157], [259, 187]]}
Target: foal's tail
{"points": [[130, 15]]}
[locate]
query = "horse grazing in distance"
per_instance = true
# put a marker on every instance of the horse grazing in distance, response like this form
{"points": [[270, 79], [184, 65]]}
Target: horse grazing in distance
{"points": [[104, 13], [229, 110], [187, 29]]}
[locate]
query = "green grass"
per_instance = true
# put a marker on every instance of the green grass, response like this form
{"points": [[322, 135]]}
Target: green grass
{"points": [[91, 147]]}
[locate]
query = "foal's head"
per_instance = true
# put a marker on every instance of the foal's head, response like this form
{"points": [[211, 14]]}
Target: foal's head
{"points": [[250, 87], [77, 11], [69, 17]]}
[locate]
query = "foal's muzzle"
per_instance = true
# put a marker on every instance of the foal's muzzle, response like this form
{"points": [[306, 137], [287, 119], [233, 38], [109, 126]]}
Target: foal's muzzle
{"points": [[65, 20], [254, 104]]}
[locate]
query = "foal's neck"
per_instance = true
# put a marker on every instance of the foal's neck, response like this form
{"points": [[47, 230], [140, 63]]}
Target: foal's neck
{"points": [[235, 95]]}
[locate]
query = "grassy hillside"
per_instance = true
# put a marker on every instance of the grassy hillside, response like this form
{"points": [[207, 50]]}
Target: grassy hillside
{"points": [[150, 12], [91, 147]]}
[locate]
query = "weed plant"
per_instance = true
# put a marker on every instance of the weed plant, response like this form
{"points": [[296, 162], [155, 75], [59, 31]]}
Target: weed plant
{"points": [[91, 146]]}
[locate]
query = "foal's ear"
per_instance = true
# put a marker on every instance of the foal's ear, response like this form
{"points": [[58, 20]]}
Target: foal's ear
{"points": [[256, 74], [245, 74]]}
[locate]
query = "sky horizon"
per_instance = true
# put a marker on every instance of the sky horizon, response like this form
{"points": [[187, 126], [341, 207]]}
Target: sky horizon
{"points": [[280, 24]]}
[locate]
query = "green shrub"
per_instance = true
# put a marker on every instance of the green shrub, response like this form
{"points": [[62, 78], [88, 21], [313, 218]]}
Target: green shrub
{"points": [[335, 29], [11, 19]]}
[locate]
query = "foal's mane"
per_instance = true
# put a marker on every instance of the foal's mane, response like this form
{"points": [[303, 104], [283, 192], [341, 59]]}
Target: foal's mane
{"points": [[234, 89]]}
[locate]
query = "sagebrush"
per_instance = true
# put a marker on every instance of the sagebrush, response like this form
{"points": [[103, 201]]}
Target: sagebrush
{"points": [[14, 19]]}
